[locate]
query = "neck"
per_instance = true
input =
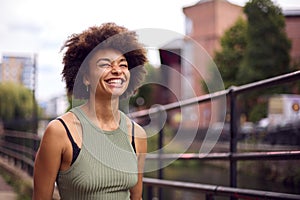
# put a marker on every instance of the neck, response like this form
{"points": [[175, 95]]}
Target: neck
{"points": [[104, 112]]}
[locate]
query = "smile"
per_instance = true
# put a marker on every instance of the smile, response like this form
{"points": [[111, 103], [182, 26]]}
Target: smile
{"points": [[115, 81]]}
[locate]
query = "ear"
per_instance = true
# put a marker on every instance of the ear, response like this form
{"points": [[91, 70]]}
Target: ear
{"points": [[86, 80]]}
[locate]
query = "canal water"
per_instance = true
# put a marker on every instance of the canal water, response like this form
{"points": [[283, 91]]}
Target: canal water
{"points": [[213, 174]]}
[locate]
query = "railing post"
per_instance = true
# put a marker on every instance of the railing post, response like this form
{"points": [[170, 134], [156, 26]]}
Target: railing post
{"points": [[160, 152], [233, 138], [149, 192], [209, 197]]}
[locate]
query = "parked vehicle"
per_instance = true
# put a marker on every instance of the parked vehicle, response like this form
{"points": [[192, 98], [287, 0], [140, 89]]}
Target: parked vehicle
{"points": [[283, 111], [247, 128]]}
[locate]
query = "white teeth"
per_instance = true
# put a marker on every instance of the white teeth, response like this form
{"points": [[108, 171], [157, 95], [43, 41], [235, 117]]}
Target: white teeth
{"points": [[115, 81]]}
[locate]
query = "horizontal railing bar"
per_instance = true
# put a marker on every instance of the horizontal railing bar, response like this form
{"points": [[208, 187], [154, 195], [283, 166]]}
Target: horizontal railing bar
{"points": [[17, 156], [219, 190], [293, 76], [17, 147], [20, 134], [179, 104], [274, 155], [233, 89]]}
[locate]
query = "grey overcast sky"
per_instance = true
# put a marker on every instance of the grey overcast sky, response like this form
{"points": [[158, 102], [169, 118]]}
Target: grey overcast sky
{"points": [[41, 27]]}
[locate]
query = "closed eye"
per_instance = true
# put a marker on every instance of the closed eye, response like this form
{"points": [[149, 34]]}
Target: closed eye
{"points": [[124, 65], [104, 65]]}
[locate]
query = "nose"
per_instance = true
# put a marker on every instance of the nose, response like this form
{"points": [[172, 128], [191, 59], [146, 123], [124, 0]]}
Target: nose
{"points": [[116, 69]]}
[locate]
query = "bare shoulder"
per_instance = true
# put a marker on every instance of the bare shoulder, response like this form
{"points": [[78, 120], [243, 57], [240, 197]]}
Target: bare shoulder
{"points": [[141, 140], [55, 131], [140, 131], [54, 128]]}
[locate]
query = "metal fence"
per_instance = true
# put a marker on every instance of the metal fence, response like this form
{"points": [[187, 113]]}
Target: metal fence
{"points": [[20, 148], [232, 156]]}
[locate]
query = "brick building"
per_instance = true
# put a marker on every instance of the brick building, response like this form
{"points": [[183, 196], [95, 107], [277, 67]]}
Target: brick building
{"points": [[206, 22], [292, 26]]}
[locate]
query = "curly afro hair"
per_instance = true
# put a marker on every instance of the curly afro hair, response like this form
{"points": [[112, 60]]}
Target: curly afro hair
{"points": [[80, 47]]}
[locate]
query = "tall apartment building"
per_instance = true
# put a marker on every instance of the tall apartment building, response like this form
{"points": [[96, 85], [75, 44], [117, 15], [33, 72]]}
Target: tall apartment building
{"points": [[18, 69]]}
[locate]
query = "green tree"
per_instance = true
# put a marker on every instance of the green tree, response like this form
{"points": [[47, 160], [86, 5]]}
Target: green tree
{"points": [[253, 50], [16, 106], [267, 51], [143, 96], [228, 60]]}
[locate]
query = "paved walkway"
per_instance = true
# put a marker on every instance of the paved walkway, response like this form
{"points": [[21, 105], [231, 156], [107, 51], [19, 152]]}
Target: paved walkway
{"points": [[6, 191]]}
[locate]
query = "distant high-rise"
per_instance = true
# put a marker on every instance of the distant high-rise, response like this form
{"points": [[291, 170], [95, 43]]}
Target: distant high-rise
{"points": [[18, 69]]}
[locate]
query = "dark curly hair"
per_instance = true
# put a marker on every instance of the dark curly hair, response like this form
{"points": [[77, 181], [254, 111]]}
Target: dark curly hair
{"points": [[80, 47]]}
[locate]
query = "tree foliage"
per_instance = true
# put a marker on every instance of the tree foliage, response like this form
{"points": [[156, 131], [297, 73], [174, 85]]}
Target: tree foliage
{"points": [[143, 96], [16, 104], [229, 59], [253, 50], [268, 48]]}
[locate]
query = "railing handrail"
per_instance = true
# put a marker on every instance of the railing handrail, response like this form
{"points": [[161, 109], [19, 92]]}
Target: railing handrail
{"points": [[17, 156], [275, 155], [20, 154], [20, 134], [17, 147], [219, 190], [232, 155], [207, 97]]}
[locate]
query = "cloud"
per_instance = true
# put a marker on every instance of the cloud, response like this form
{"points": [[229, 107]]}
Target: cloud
{"points": [[26, 27]]}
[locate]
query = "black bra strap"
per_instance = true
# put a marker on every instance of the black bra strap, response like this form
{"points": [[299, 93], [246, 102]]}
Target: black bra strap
{"points": [[67, 130], [75, 147], [132, 137]]}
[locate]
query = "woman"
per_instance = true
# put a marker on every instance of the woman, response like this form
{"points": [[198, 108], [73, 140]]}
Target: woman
{"points": [[95, 151]]}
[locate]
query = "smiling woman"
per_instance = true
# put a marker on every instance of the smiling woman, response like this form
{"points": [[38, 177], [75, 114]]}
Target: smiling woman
{"points": [[108, 74], [95, 151]]}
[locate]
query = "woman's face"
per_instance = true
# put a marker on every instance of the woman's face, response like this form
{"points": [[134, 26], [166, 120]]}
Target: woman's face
{"points": [[108, 73]]}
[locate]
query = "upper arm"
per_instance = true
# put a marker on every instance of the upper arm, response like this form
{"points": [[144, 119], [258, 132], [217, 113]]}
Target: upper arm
{"points": [[141, 151], [47, 161], [141, 145]]}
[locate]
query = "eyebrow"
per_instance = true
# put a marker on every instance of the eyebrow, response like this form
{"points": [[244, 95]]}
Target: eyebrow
{"points": [[108, 60]]}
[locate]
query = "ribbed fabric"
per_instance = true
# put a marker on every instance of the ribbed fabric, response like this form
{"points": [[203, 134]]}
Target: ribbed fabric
{"points": [[106, 167]]}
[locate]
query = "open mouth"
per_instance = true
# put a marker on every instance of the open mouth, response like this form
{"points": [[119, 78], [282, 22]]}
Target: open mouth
{"points": [[115, 81]]}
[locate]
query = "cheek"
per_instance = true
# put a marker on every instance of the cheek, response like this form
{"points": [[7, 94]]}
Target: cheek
{"points": [[128, 77], [97, 75], [128, 74]]}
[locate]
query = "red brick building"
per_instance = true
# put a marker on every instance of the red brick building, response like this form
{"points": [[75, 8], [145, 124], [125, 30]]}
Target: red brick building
{"points": [[208, 19], [206, 22], [292, 26]]}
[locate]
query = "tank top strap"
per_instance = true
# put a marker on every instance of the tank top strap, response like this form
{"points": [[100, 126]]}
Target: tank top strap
{"points": [[75, 147], [132, 136]]}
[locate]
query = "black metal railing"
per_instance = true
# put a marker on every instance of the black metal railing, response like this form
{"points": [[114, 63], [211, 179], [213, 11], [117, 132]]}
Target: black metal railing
{"points": [[215, 190], [23, 152], [232, 156], [19, 147]]}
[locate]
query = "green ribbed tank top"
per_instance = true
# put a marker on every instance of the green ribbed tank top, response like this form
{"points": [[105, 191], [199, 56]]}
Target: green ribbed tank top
{"points": [[106, 167]]}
